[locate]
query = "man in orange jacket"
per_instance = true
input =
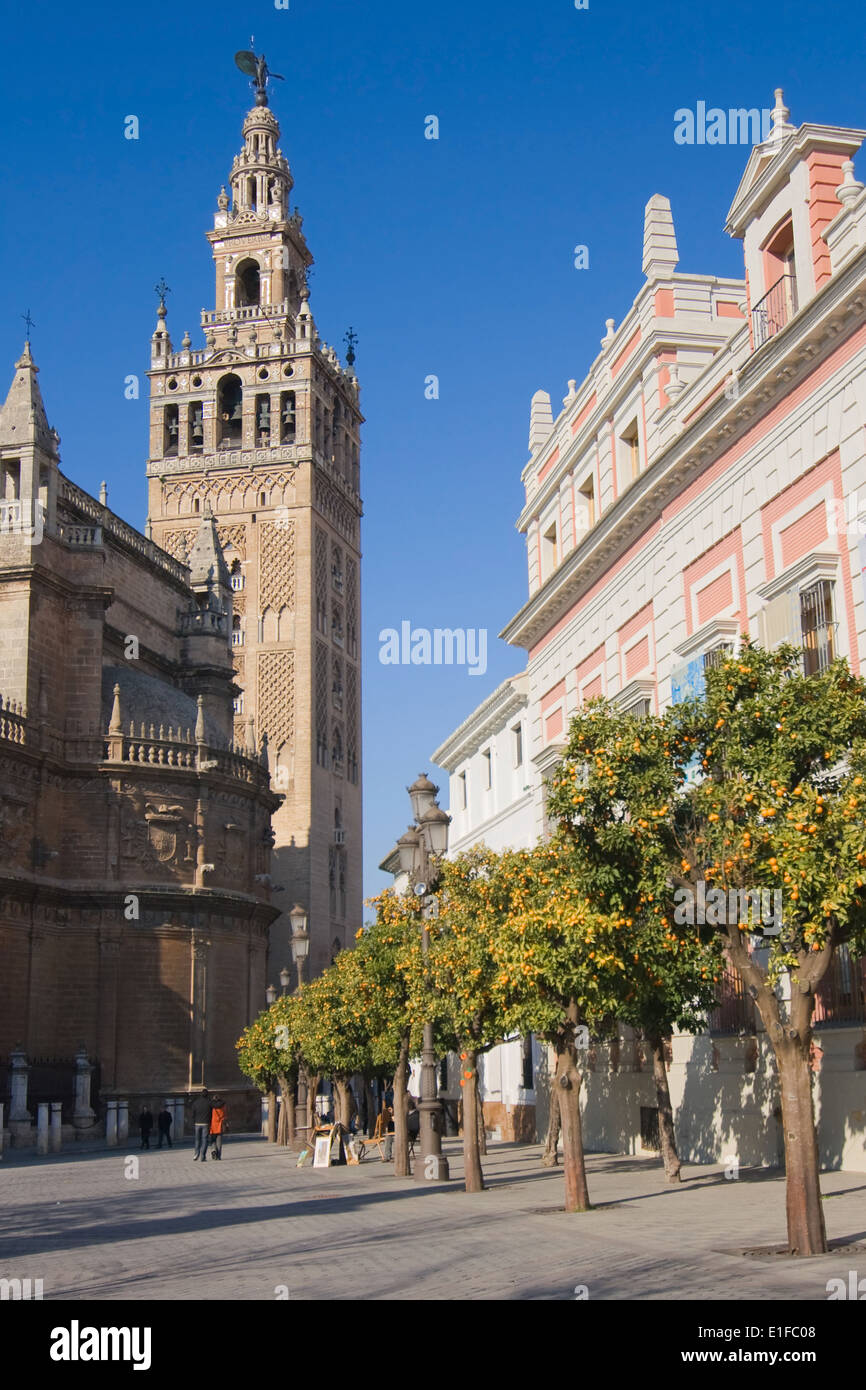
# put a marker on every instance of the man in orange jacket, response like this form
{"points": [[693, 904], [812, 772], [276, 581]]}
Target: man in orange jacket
{"points": [[217, 1126]]}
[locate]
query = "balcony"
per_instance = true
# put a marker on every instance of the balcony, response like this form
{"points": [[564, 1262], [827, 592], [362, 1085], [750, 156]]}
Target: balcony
{"points": [[771, 314]]}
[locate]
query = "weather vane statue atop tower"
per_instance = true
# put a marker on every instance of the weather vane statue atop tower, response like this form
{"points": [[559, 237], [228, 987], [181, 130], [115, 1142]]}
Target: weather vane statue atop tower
{"points": [[256, 68]]}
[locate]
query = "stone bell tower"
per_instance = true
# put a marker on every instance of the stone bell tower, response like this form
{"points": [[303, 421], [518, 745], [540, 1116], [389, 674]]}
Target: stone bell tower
{"points": [[261, 427]]}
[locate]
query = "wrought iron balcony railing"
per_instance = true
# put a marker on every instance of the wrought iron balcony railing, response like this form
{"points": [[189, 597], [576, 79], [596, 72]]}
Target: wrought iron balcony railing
{"points": [[775, 310]]}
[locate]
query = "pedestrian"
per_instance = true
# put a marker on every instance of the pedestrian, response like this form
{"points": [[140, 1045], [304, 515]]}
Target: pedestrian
{"points": [[163, 1125], [145, 1125], [218, 1126], [202, 1107]]}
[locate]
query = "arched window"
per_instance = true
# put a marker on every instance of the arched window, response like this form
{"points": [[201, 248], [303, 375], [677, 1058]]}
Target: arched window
{"points": [[196, 427], [247, 286], [230, 410], [287, 417], [263, 420], [170, 431]]}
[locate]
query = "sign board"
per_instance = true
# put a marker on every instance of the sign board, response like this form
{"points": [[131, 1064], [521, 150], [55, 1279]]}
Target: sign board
{"points": [[322, 1157]]}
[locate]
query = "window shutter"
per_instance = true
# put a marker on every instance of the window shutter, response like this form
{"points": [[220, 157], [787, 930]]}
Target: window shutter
{"points": [[779, 621]]}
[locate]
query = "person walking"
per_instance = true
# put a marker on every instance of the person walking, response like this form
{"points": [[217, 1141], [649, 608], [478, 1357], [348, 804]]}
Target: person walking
{"points": [[218, 1126], [202, 1108], [163, 1125], [145, 1125]]}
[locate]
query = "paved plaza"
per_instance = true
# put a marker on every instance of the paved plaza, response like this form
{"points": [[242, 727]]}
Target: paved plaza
{"points": [[256, 1224]]}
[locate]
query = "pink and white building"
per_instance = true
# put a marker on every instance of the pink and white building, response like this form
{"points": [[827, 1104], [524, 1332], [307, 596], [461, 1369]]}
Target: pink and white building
{"points": [[702, 481]]}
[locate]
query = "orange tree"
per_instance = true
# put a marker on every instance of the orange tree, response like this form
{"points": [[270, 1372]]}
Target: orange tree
{"points": [[611, 796], [559, 968], [258, 1059], [779, 804], [331, 1035], [390, 973], [472, 900], [269, 1053]]}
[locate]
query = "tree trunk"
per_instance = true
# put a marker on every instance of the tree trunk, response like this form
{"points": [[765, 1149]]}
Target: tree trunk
{"points": [[567, 1079], [369, 1107], [473, 1177], [807, 1234], [272, 1117], [401, 1111], [343, 1107], [550, 1157], [792, 1045], [479, 1116], [286, 1133], [313, 1079], [667, 1137]]}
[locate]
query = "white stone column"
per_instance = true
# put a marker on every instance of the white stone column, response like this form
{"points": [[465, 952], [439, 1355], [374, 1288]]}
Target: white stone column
{"points": [[122, 1121], [18, 1112], [55, 1139], [83, 1114], [42, 1129], [111, 1124]]}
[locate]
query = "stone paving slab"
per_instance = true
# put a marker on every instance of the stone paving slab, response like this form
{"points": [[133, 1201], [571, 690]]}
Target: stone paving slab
{"points": [[254, 1224]]}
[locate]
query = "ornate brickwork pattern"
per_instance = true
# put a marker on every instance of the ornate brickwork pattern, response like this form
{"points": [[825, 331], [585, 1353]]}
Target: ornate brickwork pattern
{"points": [[321, 680], [178, 541], [275, 704], [277, 566], [338, 512], [351, 723], [352, 607], [228, 494], [321, 580], [234, 536]]}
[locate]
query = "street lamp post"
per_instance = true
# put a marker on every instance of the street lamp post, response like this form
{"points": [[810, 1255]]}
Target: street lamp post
{"points": [[300, 951], [300, 941], [419, 848]]}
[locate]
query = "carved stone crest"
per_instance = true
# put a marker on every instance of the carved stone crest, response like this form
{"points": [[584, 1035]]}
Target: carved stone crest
{"points": [[164, 824]]}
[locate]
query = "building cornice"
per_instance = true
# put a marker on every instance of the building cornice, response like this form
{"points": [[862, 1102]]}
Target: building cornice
{"points": [[769, 374], [657, 335], [506, 700]]}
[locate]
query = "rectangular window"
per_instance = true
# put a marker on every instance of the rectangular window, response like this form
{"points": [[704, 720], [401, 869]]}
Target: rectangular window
{"points": [[11, 480], [487, 767], [527, 1080], [549, 552], [630, 453], [517, 743], [639, 708], [817, 626], [717, 655], [585, 518], [463, 800], [649, 1127]]}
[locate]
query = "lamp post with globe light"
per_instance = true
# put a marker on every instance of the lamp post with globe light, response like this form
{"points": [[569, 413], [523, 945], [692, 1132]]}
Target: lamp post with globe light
{"points": [[419, 848]]}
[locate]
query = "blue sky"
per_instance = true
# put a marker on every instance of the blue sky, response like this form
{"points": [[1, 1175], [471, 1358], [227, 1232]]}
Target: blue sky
{"points": [[451, 257]]}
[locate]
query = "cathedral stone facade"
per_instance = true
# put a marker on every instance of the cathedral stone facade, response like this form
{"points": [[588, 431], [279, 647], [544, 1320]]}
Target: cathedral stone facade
{"points": [[180, 708], [135, 836], [262, 426]]}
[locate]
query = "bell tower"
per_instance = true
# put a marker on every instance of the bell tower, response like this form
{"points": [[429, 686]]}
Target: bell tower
{"points": [[261, 428]]}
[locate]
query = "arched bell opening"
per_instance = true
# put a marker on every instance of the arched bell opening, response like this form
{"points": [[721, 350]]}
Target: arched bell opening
{"points": [[230, 398]]}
